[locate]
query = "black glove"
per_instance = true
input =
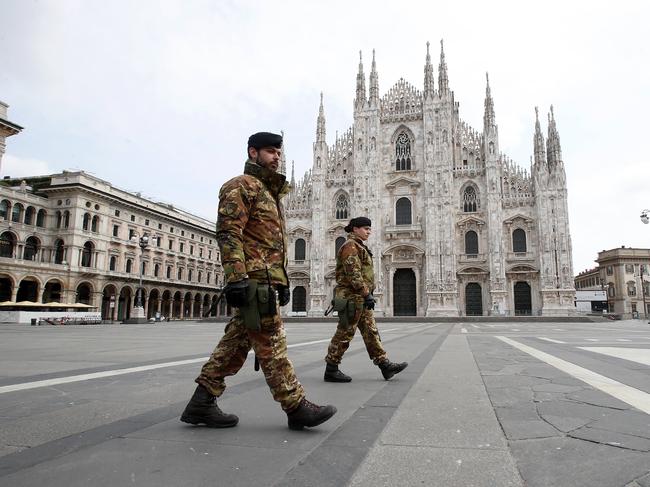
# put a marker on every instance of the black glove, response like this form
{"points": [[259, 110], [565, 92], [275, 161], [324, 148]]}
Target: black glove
{"points": [[236, 293], [369, 302], [284, 295]]}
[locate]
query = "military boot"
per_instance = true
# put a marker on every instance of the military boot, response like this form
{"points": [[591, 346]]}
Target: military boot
{"points": [[333, 374], [389, 369], [309, 414], [203, 409]]}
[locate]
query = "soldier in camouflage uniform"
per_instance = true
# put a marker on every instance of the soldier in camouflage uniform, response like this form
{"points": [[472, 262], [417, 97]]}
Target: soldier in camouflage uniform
{"points": [[355, 281], [251, 237]]}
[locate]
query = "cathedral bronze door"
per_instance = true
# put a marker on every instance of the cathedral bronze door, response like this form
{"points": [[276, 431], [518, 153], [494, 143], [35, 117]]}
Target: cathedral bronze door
{"points": [[523, 304], [404, 289], [473, 299]]}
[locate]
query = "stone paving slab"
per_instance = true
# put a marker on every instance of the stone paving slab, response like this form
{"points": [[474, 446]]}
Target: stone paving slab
{"points": [[445, 431], [581, 437]]}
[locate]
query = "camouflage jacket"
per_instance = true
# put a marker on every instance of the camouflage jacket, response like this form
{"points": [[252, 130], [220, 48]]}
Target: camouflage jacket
{"points": [[251, 227], [355, 275]]}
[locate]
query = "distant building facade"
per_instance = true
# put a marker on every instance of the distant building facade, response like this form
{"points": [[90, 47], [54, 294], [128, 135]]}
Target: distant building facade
{"points": [[458, 228], [7, 129], [623, 274], [73, 238]]}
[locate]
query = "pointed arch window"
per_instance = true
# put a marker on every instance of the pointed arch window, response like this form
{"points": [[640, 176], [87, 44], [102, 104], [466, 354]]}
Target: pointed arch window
{"points": [[342, 206], [95, 224], [300, 249], [66, 219], [471, 243], [86, 223], [519, 240], [403, 153], [403, 212], [470, 200], [59, 219]]}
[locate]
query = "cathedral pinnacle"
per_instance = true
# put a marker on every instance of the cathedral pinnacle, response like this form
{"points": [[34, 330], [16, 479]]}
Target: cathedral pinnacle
{"points": [[293, 174], [360, 99], [374, 84], [488, 117], [320, 122], [443, 81], [283, 159], [553, 149], [428, 76], [538, 140]]}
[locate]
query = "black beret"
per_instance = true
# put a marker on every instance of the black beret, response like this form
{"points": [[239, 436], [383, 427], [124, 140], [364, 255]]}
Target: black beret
{"points": [[265, 139], [360, 221]]}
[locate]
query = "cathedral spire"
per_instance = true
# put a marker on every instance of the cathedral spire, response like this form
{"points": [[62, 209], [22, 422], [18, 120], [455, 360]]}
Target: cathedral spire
{"points": [[540, 153], [320, 122], [360, 99], [489, 120], [374, 84], [443, 81], [553, 149], [293, 174], [283, 158], [428, 76]]}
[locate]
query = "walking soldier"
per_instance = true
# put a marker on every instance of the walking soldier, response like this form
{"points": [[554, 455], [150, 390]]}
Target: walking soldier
{"points": [[251, 237], [353, 299]]}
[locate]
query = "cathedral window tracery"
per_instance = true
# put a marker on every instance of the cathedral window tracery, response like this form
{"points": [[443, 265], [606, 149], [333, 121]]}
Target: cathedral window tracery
{"points": [[342, 207], [403, 153], [471, 202]]}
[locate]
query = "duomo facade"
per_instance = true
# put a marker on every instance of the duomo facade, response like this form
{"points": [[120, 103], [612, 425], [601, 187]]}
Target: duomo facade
{"points": [[458, 228]]}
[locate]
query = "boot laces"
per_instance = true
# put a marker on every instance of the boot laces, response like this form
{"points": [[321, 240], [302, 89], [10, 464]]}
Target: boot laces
{"points": [[310, 405]]}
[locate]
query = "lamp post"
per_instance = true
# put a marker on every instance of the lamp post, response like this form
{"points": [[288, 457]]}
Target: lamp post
{"points": [[645, 219], [138, 310], [602, 286]]}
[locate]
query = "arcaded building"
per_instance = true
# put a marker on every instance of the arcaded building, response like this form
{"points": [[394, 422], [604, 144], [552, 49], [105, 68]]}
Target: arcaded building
{"points": [[74, 238]]}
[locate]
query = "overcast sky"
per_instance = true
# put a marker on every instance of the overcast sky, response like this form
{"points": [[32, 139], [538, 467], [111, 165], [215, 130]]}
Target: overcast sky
{"points": [[160, 96]]}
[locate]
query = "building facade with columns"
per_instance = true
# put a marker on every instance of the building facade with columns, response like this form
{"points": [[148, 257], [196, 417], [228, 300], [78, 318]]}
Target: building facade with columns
{"points": [[73, 238], [624, 274], [458, 227]]}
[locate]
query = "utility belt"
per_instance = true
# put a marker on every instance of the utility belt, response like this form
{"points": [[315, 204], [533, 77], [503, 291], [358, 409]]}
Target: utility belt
{"points": [[261, 302]]}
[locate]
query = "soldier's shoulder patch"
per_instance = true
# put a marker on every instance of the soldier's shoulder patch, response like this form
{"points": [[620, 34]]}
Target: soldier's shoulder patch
{"points": [[347, 249]]}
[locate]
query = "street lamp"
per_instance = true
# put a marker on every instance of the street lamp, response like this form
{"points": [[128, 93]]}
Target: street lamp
{"points": [[645, 219], [602, 286], [138, 310]]}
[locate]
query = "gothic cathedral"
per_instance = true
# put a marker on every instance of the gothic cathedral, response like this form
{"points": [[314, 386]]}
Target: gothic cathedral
{"points": [[458, 228]]}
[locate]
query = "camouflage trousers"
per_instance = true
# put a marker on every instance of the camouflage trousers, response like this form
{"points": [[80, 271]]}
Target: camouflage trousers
{"points": [[270, 346], [365, 321]]}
